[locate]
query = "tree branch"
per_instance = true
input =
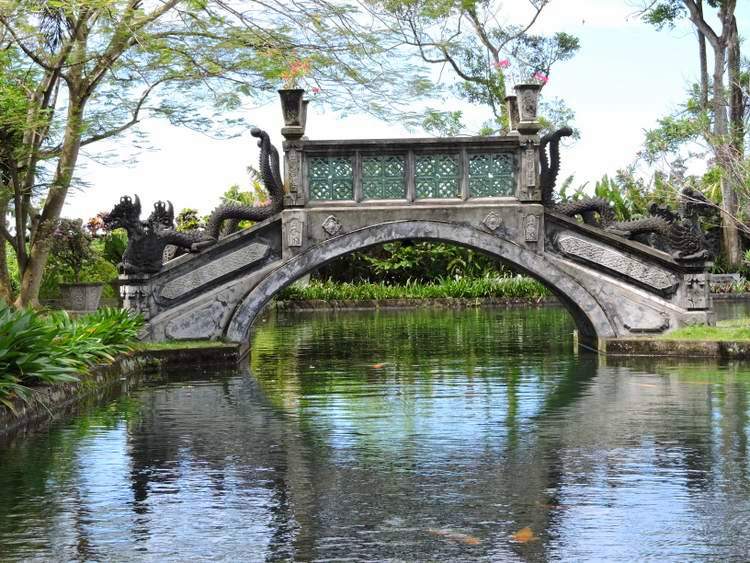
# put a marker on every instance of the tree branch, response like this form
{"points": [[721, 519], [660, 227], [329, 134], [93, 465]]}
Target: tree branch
{"points": [[700, 23]]}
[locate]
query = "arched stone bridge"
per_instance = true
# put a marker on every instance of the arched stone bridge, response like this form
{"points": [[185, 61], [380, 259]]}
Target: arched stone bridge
{"points": [[480, 192]]}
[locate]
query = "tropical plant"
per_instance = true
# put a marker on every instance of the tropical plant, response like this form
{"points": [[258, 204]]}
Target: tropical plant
{"points": [[36, 349], [403, 261], [510, 288]]}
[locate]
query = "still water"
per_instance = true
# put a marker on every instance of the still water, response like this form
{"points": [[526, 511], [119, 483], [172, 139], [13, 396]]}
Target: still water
{"points": [[410, 435]]}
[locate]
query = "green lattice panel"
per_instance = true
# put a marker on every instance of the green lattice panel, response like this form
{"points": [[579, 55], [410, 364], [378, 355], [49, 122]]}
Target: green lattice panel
{"points": [[383, 177], [330, 178], [491, 175], [437, 176]]}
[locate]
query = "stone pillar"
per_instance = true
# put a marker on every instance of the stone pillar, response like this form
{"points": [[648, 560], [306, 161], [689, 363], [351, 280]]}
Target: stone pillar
{"points": [[528, 125], [293, 132], [135, 290], [529, 190], [696, 291], [295, 195]]}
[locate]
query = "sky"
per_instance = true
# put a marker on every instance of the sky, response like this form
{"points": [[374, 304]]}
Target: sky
{"points": [[625, 76]]}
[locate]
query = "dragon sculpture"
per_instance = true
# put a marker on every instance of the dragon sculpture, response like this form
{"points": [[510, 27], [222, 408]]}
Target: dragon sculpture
{"points": [[678, 234], [146, 239], [156, 239]]}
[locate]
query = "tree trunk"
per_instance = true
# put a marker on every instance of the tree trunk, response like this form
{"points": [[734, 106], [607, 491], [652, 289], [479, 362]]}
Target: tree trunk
{"points": [[703, 62], [31, 278], [736, 96], [722, 146]]}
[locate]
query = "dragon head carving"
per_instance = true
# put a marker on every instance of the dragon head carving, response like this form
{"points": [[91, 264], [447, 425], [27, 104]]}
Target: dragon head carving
{"points": [[162, 217], [125, 214]]}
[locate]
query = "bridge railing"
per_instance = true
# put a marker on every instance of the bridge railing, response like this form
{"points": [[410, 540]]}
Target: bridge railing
{"points": [[411, 171]]}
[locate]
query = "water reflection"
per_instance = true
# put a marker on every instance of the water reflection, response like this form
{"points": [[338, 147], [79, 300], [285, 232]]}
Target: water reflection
{"points": [[401, 435]]}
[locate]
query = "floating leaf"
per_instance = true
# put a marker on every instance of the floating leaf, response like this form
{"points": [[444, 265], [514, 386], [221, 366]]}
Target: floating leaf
{"points": [[524, 535], [457, 537], [378, 366]]}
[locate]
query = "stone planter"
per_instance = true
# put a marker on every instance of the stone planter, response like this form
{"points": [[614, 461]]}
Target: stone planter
{"points": [[292, 107], [528, 104], [81, 296]]}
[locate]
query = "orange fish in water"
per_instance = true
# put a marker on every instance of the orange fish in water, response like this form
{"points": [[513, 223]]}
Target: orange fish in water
{"points": [[524, 535], [455, 536], [378, 366]]}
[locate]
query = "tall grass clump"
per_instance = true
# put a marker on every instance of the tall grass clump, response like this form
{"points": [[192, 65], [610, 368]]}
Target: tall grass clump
{"points": [[511, 288], [38, 349]]}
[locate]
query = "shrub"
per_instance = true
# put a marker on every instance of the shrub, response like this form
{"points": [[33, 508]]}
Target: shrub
{"points": [[37, 349]]}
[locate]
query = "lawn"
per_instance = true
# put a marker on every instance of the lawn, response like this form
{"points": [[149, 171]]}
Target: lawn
{"points": [[730, 330]]}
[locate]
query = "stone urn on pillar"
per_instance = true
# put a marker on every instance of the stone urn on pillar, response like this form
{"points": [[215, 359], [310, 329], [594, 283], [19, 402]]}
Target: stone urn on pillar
{"points": [[294, 110], [528, 105]]}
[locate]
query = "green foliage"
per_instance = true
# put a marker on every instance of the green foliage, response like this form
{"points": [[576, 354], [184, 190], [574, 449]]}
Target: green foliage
{"points": [[734, 329], [400, 262], [511, 288], [15, 279], [76, 257], [71, 246], [673, 132], [629, 195], [665, 13], [37, 349], [189, 220], [113, 246], [97, 337], [446, 123]]}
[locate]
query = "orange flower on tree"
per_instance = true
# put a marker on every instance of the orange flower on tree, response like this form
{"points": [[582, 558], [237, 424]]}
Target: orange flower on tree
{"points": [[296, 70]]}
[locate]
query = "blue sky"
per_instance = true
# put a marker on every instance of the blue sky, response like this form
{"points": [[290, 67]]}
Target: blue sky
{"points": [[624, 78]]}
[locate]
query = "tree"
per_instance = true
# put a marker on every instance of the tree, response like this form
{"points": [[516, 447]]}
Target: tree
{"points": [[73, 73], [718, 112], [467, 38]]}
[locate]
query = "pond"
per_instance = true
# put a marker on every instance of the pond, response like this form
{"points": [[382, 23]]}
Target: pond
{"points": [[402, 435]]}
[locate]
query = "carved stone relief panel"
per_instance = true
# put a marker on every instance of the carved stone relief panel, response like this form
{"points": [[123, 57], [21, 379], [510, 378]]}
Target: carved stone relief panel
{"points": [[696, 291], [531, 228], [202, 275], [294, 231], [331, 225], [294, 168], [614, 261]]}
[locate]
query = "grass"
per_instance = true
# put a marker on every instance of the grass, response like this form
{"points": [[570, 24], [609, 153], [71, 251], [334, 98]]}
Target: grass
{"points": [[510, 288], [731, 330], [180, 345]]}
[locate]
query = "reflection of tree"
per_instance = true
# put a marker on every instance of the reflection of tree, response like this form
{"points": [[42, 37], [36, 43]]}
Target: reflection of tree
{"points": [[39, 468]]}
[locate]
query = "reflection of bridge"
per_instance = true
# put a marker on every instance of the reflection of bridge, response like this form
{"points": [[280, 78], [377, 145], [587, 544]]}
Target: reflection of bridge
{"points": [[481, 192]]}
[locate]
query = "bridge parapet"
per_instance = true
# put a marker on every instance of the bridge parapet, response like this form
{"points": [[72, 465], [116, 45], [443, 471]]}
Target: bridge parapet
{"points": [[449, 170]]}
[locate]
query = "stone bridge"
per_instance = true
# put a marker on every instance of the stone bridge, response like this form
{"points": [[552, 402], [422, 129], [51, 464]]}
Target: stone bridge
{"points": [[480, 192]]}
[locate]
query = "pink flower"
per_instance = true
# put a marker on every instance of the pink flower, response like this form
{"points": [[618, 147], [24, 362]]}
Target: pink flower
{"points": [[505, 63], [315, 90], [541, 77]]}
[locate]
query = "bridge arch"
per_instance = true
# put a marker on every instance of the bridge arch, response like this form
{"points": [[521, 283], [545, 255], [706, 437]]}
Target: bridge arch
{"points": [[589, 315]]}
